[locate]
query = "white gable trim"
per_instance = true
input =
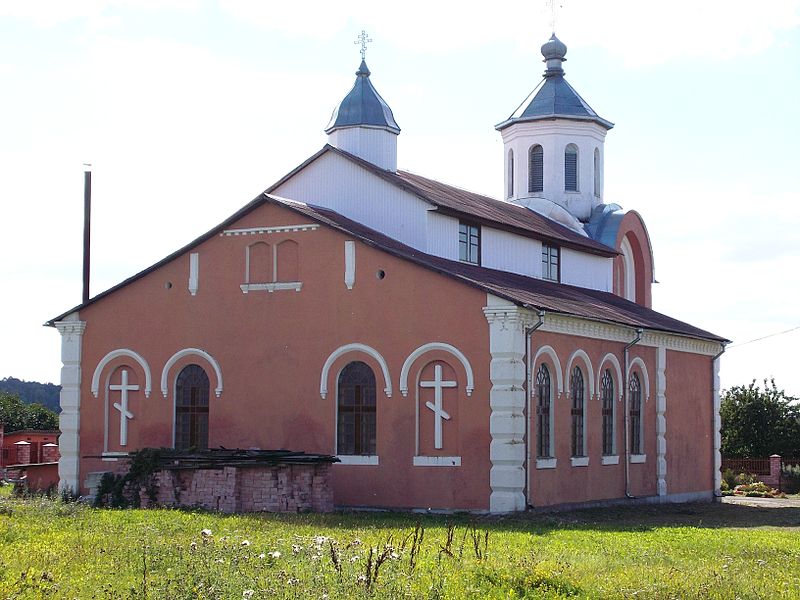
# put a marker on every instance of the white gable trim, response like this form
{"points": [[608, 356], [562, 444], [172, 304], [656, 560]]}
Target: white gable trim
{"points": [[612, 358], [640, 363], [354, 347], [548, 351], [191, 352], [435, 346], [581, 354], [117, 354]]}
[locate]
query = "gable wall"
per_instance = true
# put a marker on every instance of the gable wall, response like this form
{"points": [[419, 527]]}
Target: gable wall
{"points": [[334, 182], [271, 348]]}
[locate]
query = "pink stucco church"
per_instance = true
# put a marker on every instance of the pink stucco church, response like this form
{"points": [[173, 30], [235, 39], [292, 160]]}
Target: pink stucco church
{"points": [[454, 351]]}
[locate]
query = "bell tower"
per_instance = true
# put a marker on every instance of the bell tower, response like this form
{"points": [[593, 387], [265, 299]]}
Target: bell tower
{"points": [[554, 147]]}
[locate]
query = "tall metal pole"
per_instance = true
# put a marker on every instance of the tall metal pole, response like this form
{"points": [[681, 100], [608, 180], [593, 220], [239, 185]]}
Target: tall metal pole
{"points": [[87, 221]]}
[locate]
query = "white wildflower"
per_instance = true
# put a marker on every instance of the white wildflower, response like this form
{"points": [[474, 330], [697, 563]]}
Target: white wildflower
{"points": [[206, 533], [245, 542], [354, 558], [296, 548], [220, 561], [357, 542], [247, 594], [275, 554], [262, 556], [395, 556]]}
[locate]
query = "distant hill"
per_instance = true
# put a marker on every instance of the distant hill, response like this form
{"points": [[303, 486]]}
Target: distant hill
{"points": [[32, 392]]}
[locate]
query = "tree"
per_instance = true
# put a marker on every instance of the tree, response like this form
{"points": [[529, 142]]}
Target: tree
{"points": [[16, 415], [758, 423]]}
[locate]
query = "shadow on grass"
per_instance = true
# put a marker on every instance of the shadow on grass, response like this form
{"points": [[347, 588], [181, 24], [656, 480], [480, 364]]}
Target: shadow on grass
{"points": [[622, 518]]}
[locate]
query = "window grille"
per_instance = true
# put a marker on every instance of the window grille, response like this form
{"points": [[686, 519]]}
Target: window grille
{"points": [[356, 418], [607, 397], [578, 396], [543, 412], [635, 392], [571, 169], [469, 243], [536, 169], [550, 260], [191, 409]]}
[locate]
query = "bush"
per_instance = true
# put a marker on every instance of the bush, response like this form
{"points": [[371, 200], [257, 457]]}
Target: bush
{"points": [[758, 489], [790, 479]]}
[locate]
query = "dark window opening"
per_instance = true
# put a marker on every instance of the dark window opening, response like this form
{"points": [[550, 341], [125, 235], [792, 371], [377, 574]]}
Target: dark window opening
{"points": [[542, 391], [356, 421], [571, 169], [550, 262], [607, 397], [536, 169], [469, 243], [635, 391], [576, 385], [191, 409]]}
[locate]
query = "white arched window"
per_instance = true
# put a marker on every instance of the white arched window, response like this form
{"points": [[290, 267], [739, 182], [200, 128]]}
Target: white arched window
{"points": [[571, 168], [536, 169], [578, 412], [544, 413], [607, 399], [510, 173], [597, 172]]}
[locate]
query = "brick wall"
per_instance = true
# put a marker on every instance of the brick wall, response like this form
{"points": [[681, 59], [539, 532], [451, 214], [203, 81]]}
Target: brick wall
{"points": [[279, 488]]}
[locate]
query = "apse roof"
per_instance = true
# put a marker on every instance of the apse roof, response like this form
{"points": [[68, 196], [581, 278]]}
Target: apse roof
{"points": [[363, 107]]}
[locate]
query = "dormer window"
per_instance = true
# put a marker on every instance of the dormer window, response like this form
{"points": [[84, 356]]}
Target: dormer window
{"points": [[571, 168], [550, 262], [469, 243], [536, 169]]}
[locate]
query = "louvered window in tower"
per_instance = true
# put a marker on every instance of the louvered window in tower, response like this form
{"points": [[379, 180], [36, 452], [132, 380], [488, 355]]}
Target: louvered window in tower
{"points": [[510, 173], [536, 169], [571, 168]]}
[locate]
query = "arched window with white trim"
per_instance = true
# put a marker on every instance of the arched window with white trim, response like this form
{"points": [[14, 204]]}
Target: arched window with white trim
{"points": [[578, 412], [635, 410], [544, 414], [571, 168], [191, 409], [356, 428], [536, 169], [607, 401]]}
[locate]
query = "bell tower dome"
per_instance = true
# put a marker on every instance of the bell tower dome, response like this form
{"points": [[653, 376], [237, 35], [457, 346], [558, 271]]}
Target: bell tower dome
{"points": [[363, 124], [554, 147]]}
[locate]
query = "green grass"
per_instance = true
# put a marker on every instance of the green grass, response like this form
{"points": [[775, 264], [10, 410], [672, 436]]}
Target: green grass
{"points": [[54, 550]]}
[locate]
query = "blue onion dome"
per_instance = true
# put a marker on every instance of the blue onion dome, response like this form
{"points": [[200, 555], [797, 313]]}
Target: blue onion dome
{"points": [[554, 48], [363, 107]]}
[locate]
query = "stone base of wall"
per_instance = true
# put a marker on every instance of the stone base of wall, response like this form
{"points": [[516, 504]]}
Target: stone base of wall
{"points": [[278, 488]]}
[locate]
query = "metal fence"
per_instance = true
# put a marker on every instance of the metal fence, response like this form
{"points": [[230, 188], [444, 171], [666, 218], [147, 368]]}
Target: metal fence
{"points": [[754, 466]]}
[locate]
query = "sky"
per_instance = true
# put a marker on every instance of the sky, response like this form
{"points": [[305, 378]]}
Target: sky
{"points": [[188, 109]]}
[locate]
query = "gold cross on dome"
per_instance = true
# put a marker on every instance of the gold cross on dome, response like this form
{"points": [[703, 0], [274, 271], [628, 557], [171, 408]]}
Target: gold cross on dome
{"points": [[363, 39]]}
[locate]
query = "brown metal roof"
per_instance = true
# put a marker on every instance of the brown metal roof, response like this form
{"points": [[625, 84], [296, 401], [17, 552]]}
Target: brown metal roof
{"points": [[525, 291], [483, 210]]}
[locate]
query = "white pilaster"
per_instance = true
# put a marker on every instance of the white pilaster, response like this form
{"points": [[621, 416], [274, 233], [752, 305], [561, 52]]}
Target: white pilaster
{"points": [[194, 272], [717, 426], [71, 330], [661, 419], [507, 323]]}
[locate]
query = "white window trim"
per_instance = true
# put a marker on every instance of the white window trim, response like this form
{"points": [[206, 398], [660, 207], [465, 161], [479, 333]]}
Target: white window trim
{"points": [[579, 461], [358, 459], [546, 463], [638, 459], [271, 287], [437, 461], [610, 459]]}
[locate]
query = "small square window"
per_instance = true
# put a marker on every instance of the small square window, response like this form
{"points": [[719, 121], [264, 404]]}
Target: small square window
{"points": [[550, 260], [469, 243]]}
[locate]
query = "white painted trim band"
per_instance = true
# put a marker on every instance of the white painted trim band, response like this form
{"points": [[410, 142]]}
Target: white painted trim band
{"points": [[546, 463], [637, 459], [428, 348], [610, 460], [191, 352], [350, 459], [280, 229], [271, 287], [354, 347], [437, 461], [579, 461], [119, 352]]}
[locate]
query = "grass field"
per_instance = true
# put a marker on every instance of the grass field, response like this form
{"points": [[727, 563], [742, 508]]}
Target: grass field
{"points": [[53, 550]]}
